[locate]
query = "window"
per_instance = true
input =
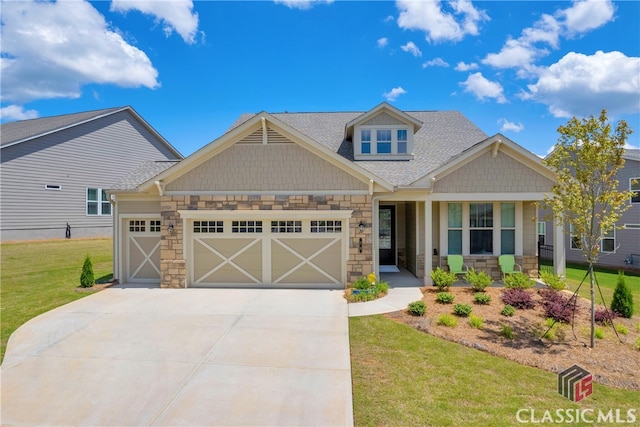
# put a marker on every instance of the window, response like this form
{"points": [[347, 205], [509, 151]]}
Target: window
{"points": [[365, 141], [481, 228], [402, 141], [246, 227], [508, 228], [542, 232], [634, 185], [154, 226], [326, 226], [208, 227], [286, 226], [454, 218], [97, 202], [383, 141], [608, 242], [574, 238], [137, 226]]}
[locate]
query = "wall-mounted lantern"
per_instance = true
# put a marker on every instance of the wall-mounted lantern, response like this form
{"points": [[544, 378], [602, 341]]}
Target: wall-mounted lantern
{"points": [[361, 226], [170, 228]]}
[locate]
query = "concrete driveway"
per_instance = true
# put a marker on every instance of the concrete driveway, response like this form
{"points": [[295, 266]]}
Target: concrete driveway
{"points": [[183, 357]]}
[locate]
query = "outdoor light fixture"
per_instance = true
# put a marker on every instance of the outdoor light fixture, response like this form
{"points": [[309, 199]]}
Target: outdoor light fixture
{"points": [[361, 226], [170, 228]]}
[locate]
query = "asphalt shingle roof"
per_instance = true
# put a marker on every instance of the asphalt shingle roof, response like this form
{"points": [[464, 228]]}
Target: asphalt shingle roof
{"points": [[26, 129], [141, 174]]}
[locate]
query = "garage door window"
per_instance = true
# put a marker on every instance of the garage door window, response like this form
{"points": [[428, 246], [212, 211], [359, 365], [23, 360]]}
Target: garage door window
{"points": [[208, 227], [246, 227], [286, 226], [137, 226], [326, 226]]}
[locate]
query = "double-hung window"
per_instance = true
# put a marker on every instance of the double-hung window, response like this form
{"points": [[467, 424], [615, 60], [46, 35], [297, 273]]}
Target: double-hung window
{"points": [[608, 243], [574, 238], [365, 141], [383, 141], [507, 228], [454, 219], [481, 228], [634, 185], [98, 202], [386, 142]]}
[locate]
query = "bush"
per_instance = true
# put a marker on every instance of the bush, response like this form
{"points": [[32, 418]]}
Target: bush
{"points": [[518, 281], [508, 310], [638, 343], [417, 308], [621, 329], [361, 283], [443, 279], [476, 321], [479, 281], [462, 310], [599, 333], [444, 297], [553, 281], [622, 302], [604, 316], [518, 298], [87, 278], [381, 288], [557, 306], [447, 320], [482, 298], [507, 332]]}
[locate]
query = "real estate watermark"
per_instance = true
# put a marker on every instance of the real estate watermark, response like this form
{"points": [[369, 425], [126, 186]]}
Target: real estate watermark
{"points": [[575, 383]]}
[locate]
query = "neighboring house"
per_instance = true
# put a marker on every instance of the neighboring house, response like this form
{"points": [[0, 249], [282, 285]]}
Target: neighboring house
{"points": [[619, 248], [56, 170], [319, 199]]}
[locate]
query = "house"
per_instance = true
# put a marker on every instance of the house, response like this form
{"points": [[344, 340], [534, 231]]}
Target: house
{"points": [[56, 170], [620, 248], [319, 199]]}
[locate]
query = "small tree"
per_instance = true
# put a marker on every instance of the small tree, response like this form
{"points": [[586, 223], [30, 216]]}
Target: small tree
{"points": [[586, 159], [87, 279], [622, 302]]}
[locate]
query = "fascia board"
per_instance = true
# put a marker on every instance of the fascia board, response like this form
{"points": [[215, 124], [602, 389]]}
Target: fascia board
{"points": [[391, 109]]}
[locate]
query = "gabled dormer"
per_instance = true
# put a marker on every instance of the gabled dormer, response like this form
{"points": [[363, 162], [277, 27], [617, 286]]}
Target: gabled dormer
{"points": [[383, 133]]}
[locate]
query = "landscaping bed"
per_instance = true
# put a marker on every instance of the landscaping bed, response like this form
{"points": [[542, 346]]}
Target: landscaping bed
{"points": [[614, 361]]}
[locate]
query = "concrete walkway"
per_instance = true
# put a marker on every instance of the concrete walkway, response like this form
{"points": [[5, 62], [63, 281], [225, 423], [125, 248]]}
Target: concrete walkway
{"points": [[194, 357], [397, 299]]}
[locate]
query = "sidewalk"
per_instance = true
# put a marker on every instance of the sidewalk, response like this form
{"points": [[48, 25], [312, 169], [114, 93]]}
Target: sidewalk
{"points": [[397, 299]]}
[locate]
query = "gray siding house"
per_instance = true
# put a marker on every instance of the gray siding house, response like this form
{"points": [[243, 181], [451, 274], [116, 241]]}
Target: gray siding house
{"points": [[620, 248], [318, 199], [56, 170]]}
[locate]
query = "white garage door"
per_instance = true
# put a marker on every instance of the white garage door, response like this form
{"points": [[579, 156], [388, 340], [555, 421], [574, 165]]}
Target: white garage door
{"points": [[269, 252], [143, 250]]}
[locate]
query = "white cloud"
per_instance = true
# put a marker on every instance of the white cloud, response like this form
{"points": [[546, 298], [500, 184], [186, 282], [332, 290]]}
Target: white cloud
{"points": [[17, 112], [394, 93], [176, 15], [482, 88], [50, 50], [581, 85], [587, 15], [412, 49], [506, 126], [436, 62], [440, 25], [382, 42], [461, 66], [302, 4], [514, 54]]}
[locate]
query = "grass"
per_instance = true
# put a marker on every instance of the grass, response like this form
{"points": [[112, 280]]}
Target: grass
{"points": [[607, 279], [39, 276], [405, 377]]}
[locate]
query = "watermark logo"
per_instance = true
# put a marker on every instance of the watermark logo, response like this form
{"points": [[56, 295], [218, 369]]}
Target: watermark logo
{"points": [[575, 383]]}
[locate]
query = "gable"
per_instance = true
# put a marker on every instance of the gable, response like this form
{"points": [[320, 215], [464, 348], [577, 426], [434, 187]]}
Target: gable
{"points": [[493, 174], [383, 118]]}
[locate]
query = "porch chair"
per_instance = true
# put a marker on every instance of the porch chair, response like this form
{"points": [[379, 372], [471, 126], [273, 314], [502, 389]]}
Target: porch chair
{"points": [[456, 265], [508, 265]]}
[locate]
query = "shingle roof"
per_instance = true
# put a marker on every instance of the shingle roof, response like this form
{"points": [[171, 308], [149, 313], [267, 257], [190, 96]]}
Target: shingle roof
{"points": [[26, 129], [142, 173], [632, 153]]}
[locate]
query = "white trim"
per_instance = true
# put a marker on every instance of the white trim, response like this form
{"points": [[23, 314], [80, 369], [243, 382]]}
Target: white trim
{"points": [[53, 187], [479, 197], [631, 226], [272, 193], [265, 214], [630, 182]]}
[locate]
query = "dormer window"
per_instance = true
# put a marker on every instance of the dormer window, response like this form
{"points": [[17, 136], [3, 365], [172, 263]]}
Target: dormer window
{"points": [[383, 143]]}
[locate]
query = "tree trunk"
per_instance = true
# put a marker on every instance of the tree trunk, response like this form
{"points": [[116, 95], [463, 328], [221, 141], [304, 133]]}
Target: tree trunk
{"points": [[593, 304]]}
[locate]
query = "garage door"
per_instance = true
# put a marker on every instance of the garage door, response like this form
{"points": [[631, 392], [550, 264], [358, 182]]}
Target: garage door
{"points": [[269, 252], [143, 251]]}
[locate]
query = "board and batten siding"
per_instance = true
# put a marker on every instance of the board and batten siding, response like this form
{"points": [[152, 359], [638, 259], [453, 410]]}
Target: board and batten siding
{"points": [[96, 154]]}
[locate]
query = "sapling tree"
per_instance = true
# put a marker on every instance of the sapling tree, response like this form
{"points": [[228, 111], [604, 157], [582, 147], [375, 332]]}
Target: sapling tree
{"points": [[586, 159]]}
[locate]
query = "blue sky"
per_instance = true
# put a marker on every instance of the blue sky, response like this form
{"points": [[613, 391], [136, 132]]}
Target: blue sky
{"points": [[190, 69]]}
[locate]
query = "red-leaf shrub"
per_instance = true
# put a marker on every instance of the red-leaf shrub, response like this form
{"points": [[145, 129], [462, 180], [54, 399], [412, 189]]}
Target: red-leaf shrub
{"points": [[518, 298], [604, 316], [557, 306]]}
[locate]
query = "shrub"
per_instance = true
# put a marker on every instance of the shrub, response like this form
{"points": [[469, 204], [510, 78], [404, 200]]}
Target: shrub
{"points": [[518, 298], [622, 329], [482, 298], [638, 343], [381, 288], [479, 281], [462, 310], [87, 278], [622, 302], [604, 316], [417, 308], [444, 297], [553, 281], [476, 321], [599, 333], [557, 306], [447, 320], [507, 332], [361, 283], [508, 310], [442, 279], [518, 281]]}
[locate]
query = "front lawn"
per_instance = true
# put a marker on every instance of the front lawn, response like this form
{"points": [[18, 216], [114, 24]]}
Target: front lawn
{"points": [[39, 276], [607, 279]]}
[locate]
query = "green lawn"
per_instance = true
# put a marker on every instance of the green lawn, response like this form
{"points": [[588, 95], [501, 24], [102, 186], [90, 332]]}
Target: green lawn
{"points": [[607, 280], [36, 277], [403, 377]]}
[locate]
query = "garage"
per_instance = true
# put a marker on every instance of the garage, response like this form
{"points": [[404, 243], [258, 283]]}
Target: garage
{"points": [[142, 250], [268, 249]]}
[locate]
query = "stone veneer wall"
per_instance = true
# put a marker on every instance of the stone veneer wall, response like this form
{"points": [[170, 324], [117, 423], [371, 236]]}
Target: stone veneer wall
{"points": [[489, 264], [173, 264]]}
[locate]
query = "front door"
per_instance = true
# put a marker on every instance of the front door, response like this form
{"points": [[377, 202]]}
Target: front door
{"points": [[387, 235]]}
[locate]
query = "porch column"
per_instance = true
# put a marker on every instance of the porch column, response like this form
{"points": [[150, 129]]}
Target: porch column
{"points": [[428, 243], [559, 256], [375, 204]]}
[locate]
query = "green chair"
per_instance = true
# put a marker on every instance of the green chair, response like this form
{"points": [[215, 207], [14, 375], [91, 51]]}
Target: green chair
{"points": [[508, 265], [456, 264]]}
